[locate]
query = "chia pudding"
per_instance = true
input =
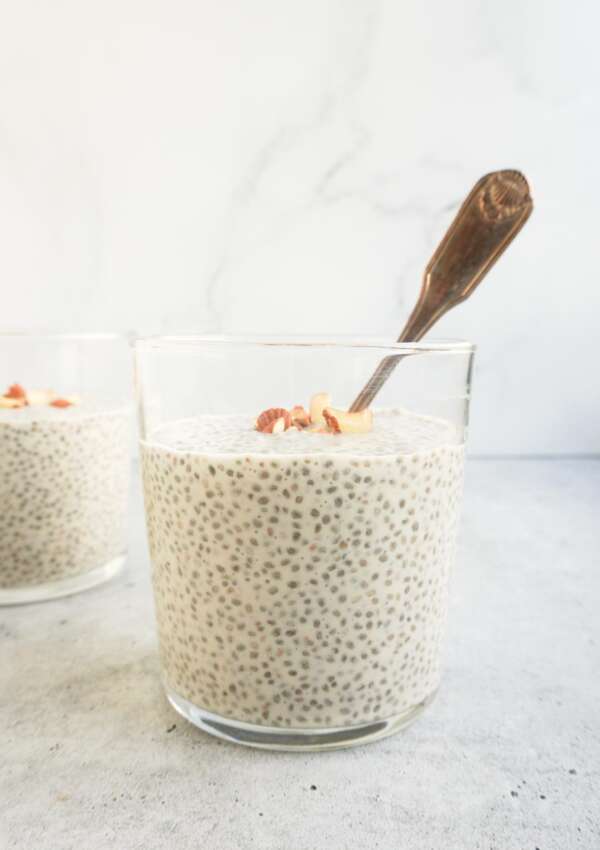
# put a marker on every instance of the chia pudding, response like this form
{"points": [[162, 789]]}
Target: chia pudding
{"points": [[301, 578], [64, 479]]}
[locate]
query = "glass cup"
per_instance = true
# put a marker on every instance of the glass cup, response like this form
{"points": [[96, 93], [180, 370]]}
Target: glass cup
{"points": [[300, 576], [65, 440]]}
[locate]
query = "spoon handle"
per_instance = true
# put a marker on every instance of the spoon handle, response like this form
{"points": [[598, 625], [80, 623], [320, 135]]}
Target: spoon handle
{"points": [[489, 219]]}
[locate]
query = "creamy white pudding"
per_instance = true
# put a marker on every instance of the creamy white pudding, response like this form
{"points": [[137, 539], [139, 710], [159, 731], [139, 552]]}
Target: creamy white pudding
{"points": [[301, 578], [64, 478]]}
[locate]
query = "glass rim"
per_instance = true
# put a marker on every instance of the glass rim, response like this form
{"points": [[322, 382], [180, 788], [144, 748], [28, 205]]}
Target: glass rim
{"points": [[67, 336], [337, 341]]}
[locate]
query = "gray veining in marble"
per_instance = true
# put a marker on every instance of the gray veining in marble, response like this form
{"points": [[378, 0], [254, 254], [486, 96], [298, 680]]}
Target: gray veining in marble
{"points": [[507, 758]]}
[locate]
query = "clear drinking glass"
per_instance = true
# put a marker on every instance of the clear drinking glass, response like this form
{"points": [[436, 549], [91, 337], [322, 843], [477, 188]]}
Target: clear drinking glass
{"points": [[65, 440], [300, 578]]}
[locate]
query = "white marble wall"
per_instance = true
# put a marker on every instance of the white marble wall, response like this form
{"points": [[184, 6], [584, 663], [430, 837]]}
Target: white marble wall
{"points": [[289, 166]]}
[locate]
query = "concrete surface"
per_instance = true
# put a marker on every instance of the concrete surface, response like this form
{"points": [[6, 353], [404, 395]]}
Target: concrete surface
{"points": [[507, 758]]}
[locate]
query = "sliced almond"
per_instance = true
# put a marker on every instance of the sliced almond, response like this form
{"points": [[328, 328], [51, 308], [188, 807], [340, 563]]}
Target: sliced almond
{"points": [[38, 398], [8, 403], [278, 426], [60, 402], [343, 422], [318, 403]]}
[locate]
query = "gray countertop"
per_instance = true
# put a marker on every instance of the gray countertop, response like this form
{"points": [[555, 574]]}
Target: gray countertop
{"points": [[507, 757]]}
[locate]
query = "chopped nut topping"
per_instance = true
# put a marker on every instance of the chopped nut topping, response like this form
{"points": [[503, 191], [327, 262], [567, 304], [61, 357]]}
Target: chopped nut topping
{"points": [[15, 391], [342, 422], [323, 419], [332, 421], [318, 403], [267, 420], [40, 398], [10, 403], [278, 426], [300, 416], [16, 397]]}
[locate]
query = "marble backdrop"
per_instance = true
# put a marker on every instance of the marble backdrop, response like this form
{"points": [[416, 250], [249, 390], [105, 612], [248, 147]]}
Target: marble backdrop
{"points": [[289, 166]]}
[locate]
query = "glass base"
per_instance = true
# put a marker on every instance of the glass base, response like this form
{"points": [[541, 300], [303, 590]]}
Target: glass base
{"points": [[60, 587], [294, 740]]}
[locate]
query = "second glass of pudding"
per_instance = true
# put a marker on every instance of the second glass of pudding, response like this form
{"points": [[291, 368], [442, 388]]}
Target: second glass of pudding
{"points": [[301, 556], [65, 455]]}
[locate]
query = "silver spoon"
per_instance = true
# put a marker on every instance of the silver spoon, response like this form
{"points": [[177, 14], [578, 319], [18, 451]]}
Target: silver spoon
{"points": [[489, 219]]}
